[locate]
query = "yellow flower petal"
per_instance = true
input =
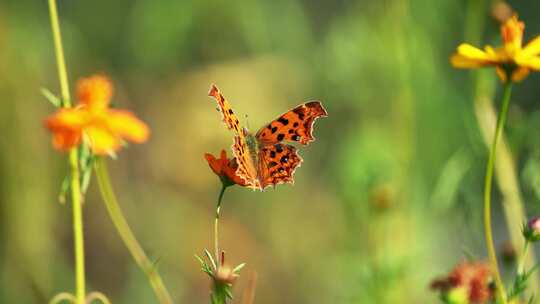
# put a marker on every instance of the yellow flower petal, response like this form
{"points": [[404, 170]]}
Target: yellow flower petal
{"points": [[519, 74], [101, 140], [468, 56], [458, 61], [530, 62], [471, 52], [531, 49], [128, 126]]}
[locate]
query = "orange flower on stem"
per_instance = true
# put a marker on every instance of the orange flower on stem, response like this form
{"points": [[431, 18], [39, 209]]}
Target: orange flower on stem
{"points": [[225, 169], [512, 61], [92, 120]]}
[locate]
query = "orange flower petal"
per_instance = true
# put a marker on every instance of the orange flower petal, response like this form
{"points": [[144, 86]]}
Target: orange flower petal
{"points": [[224, 168], [501, 73], [512, 34], [73, 118], [101, 140], [95, 91], [128, 126], [520, 73], [215, 164], [66, 126], [230, 172], [66, 139]]}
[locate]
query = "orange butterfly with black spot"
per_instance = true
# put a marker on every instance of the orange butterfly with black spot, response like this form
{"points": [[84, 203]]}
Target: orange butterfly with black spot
{"points": [[263, 160]]}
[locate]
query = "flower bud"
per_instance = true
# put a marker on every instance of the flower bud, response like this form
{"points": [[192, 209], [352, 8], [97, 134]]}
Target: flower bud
{"points": [[225, 275], [531, 230]]}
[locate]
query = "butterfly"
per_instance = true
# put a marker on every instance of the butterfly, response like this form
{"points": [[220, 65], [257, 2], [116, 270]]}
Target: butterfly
{"points": [[264, 159]]}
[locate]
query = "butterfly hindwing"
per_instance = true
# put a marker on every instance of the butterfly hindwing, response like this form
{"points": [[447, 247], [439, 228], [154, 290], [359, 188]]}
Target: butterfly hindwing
{"points": [[295, 125], [277, 164]]}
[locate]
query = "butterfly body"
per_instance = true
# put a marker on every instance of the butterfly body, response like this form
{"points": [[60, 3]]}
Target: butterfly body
{"points": [[263, 159], [252, 144]]}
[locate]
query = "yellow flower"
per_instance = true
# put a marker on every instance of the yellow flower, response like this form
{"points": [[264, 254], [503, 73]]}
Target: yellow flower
{"points": [[512, 59], [91, 120]]}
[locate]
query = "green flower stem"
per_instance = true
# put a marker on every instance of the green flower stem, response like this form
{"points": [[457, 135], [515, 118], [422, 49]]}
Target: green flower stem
{"points": [[59, 54], [119, 221], [487, 190], [80, 293], [76, 197], [523, 258], [216, 225]]}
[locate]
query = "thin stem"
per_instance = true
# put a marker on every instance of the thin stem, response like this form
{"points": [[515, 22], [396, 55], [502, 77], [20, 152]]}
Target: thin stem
{"points": [[76, 197], [523, 258], [487, 190], [77, 227], [216, 225], [59, 53], [119, 221]]}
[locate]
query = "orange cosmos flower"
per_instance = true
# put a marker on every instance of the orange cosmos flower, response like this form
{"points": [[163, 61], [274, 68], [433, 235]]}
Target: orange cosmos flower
{"points": [[91, 120], [512, 61], [225, 169]]}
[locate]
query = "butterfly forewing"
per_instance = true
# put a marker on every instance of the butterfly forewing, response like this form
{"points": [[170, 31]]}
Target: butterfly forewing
{"points": [[246, 168], [295, 125]]}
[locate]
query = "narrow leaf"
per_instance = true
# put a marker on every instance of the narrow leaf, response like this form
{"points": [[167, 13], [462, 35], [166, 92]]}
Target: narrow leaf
{"points": [[55, 101], [238, 268], [64, 188], [209, 256]]}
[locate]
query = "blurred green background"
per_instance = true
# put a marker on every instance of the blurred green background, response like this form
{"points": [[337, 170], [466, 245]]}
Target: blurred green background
{"points": [[389, 196]]}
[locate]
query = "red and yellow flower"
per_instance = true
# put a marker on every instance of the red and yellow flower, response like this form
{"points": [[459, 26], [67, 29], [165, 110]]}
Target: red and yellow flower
{"points": [[92, 120], [512, 61], [468, 282]]}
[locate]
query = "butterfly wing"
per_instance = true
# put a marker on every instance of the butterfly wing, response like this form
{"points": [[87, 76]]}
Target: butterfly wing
{"points": [[277, 164], [295, 125], [246, 168]]}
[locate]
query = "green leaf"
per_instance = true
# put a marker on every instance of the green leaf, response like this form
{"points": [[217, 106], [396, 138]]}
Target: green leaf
{"points": [[55, 101], [204, 267], [200, 260], [228, 292], [85, 181], [209, 256], [64, 188], [238, 268]]}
